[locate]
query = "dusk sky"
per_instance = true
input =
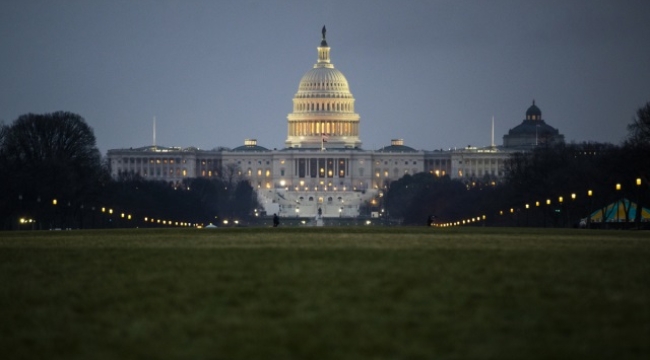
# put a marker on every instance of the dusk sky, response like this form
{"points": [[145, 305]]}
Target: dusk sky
{"points": [[433, 73]]}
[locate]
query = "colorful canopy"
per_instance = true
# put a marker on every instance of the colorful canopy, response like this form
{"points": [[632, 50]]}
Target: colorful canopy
{"points": [[615, 212]]}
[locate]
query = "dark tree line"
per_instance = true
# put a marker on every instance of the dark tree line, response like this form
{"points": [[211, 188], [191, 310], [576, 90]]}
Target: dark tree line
{"points": [[52, 172], [533, 177], [197, 200]]}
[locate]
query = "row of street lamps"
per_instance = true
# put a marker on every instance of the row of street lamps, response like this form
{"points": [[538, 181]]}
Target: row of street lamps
{"points": [[34, 221], [548, 202]]}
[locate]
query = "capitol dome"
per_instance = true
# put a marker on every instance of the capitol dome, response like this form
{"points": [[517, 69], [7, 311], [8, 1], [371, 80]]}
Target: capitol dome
{"points": [[323, 108], [323, 79]]}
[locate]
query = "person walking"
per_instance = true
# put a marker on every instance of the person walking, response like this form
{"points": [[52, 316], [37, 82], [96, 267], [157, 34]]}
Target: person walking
{"points": [[276, 220]]}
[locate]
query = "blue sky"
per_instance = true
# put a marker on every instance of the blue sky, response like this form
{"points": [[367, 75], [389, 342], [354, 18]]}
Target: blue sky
{"points": [[214, 73]]}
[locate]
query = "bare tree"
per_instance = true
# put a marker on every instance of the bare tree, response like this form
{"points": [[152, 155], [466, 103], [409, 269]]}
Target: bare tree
{"points": [[231, 175], [640, 127], [51, 156]]}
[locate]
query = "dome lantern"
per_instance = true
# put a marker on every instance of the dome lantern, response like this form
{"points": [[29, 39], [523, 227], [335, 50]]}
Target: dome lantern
{"points": [[533, 112]]}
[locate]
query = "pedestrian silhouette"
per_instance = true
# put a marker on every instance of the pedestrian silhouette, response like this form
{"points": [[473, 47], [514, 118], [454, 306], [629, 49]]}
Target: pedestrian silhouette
{"points": [[276, 220]]}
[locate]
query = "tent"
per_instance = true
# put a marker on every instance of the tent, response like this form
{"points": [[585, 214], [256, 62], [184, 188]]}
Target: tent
{"points": [[615, 212]]}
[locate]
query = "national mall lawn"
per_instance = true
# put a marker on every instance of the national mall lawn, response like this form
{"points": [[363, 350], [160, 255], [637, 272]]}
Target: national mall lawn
{"points": [[325, 293]]}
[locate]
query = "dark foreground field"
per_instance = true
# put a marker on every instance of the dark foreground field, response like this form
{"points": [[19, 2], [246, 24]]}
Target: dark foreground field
{"points": [[325, 293]]}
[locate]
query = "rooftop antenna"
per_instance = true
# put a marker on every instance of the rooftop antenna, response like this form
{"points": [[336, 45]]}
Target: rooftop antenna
{"points": [[154, 132]]}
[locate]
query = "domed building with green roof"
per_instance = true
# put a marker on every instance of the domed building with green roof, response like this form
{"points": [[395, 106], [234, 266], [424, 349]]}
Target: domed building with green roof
{"points": [[532, 132]]}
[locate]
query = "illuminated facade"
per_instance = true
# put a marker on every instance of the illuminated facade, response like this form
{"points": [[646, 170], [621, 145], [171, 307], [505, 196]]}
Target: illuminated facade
{"points": [[323, 166]]}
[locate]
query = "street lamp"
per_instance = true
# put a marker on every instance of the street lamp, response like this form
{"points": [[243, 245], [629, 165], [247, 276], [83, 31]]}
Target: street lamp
{"points": [[561, 201], [569, 210], [38, 211], [618, 186], [639, 208], [589, 195], [20, 208]]}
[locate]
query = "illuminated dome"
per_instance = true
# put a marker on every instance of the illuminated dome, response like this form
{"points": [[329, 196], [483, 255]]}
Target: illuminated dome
{"points": [[321, 79], [323, 108]]}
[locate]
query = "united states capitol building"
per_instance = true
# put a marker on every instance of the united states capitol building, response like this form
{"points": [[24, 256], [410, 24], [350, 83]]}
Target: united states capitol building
{"points": [[323, 166]]}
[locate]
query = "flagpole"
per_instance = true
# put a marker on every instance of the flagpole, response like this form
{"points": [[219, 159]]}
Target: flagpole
{"points": [[492, 138]]}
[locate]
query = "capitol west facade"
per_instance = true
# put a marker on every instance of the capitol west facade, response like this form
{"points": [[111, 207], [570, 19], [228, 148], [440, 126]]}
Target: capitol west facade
{"points": [[323, 166]]}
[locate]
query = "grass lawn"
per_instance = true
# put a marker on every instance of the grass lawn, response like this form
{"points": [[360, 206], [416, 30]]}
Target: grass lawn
{"points": [[325, 293]]}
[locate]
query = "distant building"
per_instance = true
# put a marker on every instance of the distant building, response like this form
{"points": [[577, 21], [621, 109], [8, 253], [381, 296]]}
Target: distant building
{"points": [[532, 132], [323, 165]]}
